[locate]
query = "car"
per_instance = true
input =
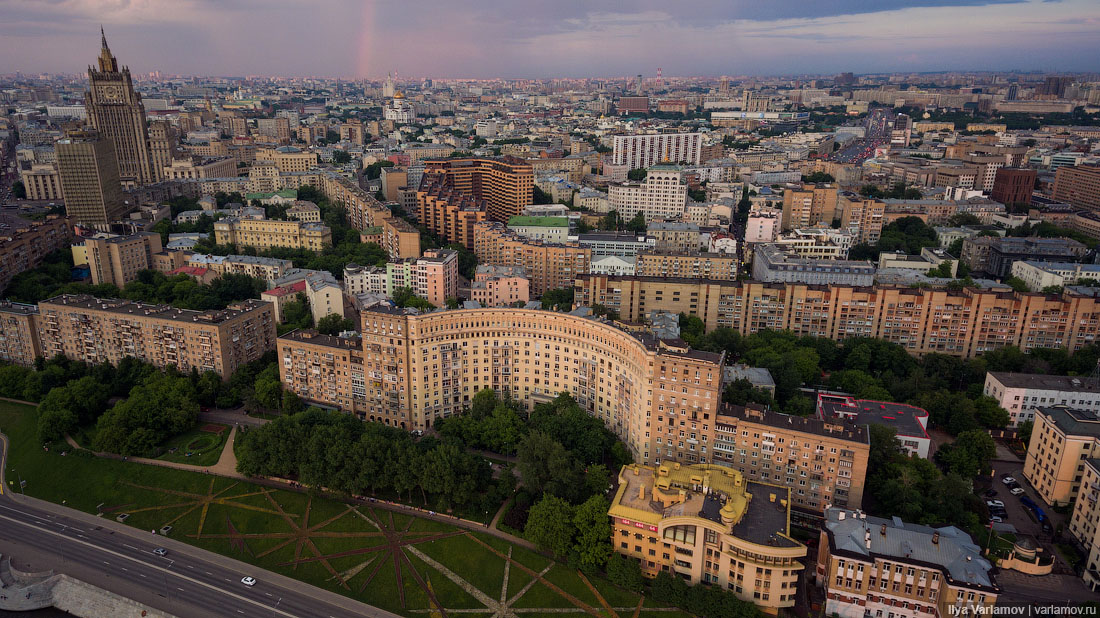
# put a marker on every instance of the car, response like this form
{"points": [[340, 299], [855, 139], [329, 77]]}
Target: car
{"points": [[160, 551], [990, 493], [1008, 480], [248, 581], [1028, 502], [995, 503], [996, 519], [166, 530], [1017, 491]]}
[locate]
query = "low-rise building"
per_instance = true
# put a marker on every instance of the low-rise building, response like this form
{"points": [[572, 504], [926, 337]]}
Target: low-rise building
{"points": [[994, 256], [1022, 393], [909, 423], [871, 566], [25, 245], [304, 210], [759, 377], [42, 182], [1042, 275], [319, 287], [622, 244], [709, 524], [549, 229], [500, 286], [102, 330], [771, 264], [270, 233], [614, 265]]}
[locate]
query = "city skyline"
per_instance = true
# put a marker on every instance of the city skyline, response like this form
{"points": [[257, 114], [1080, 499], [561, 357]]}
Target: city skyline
{"points": [[564, 39]]}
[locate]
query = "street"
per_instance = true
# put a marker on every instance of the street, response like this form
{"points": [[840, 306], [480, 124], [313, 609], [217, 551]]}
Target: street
{"points": [[187, 581]]}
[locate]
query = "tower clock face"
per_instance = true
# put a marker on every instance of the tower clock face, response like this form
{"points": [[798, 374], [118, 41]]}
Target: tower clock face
{"points": [[111, 92]]}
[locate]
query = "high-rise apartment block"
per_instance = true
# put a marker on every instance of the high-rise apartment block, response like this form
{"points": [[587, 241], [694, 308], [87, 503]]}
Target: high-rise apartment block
{"points": [[118, 259], [101, 330], [505, 185], [689, 265], [1013, 186], [963, 323], [638, 151], [116, 111], [88, 169], [19, 343], [662, 196], [809, 205], [1079, 186], [24, 247], [548, 265]]}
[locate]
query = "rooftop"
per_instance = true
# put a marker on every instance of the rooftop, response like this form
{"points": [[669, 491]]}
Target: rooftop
{"points": [[1045, 382], [949, 549], [903, 418], [1072, 421], [539, 221], [165, 312], [755, 512], [816, 426]]}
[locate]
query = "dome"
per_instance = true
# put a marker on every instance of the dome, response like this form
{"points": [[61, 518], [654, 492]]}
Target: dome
{"points": [[399, 95]]}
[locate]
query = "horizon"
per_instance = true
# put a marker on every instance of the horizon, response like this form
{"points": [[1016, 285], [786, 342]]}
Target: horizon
{"points": [[567, 40]]}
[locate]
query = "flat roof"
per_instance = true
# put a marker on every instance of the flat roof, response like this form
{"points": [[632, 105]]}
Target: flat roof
{"points": [[164, 312], [788, 422], [1045, 382], [531, 221], [1073, 421], [904, 418]]}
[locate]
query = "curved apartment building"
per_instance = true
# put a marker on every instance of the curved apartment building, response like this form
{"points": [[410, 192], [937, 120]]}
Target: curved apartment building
{"points": [[409, 369]]}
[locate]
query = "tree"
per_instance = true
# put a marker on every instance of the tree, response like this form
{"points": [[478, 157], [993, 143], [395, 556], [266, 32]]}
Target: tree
{"points": [[467, 260], [969, 455], [560, 299], [164, 405], [19, 190], [818, 177], [611, 221], [963, 218], [340, 157], [550, 525], [637, 174], [1016, 284], [334, 323], [943, 270], [1023, 431], [625, 573], [592, 545], [404, 297], [637, 224], [538, 196]]}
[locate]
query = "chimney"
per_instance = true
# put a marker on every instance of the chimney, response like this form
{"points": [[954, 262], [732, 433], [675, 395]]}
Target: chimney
{"points": [[882, 530], [935, 538], [867, 539], [641, 492]]}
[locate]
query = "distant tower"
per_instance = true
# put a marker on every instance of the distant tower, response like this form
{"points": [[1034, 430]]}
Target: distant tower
{"points": [[88, 169], [638, 87], [659, 81], [388, 88], [118, 114]]}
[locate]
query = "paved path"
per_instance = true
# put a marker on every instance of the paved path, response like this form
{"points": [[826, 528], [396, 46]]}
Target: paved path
{"points": [[227, 462]]}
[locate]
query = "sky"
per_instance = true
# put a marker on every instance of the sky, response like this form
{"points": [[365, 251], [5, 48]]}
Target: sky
{"points": [[550, 38]]}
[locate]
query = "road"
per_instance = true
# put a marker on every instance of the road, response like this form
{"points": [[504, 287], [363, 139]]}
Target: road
{"points": [[187, 582]]}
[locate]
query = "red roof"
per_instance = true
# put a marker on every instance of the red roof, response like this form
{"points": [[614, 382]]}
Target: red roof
{"points": [[194, 271], [283, 290]]}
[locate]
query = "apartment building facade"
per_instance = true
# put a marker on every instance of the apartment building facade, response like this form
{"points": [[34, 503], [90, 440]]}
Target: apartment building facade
{"points": [[505, 184], [399, 238], [24, 247], [644, 151], [100, 330], [871, 566], [1061, 440], [118, 259], [696, 266], [963, 323], [809, 205], [1084, 522], [19, 343], [662, 196], [1078, 185], [269, 233], [416, 368], [709, 524], [500, 286], [42, 182], [548, 266]]}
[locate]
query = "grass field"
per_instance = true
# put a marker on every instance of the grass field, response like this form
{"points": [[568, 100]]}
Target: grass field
{"points": [[407, 565], [204, 446]]}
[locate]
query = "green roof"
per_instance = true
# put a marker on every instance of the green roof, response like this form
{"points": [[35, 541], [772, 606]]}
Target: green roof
{"points": [[262, 196], [538, 222]]}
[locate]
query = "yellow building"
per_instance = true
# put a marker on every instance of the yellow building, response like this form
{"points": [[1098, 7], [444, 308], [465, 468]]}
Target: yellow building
{"points": [[1084, 524], [549, 266], [708, 524], [19, 342], [118, 259], [721, 266], [875, 567], [1061, 440], [809, 205], [42, 182], [399, 238], [413, 368], [268, 233], [288, 158]]}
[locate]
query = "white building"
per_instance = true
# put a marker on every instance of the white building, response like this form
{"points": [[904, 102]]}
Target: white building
{"points": [[1039, 275], [399, 110], [613, 265], [662, 196], [763, 226], [635, 151], [1021, 393]]}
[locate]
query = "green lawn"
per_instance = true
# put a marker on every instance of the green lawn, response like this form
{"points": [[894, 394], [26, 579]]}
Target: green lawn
{"points": [[319, 541], [196, 447]]}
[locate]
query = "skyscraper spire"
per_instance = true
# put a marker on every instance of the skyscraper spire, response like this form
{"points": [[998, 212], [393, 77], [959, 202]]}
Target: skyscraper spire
{"points": [[103, 36], [107, 60]]}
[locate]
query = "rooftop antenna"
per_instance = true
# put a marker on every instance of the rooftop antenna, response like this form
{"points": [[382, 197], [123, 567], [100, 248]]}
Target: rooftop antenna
{"points": [[1094, 377]]}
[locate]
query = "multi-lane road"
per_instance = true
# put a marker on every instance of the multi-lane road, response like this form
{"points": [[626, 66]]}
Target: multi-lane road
{"points": [[186, 582]]}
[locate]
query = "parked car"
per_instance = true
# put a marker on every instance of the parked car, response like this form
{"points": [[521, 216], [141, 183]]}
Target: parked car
{"points": [[1028, 502], [990, 492], [996, 519], [1008, 480], [994, 503], [1017, 491]]}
